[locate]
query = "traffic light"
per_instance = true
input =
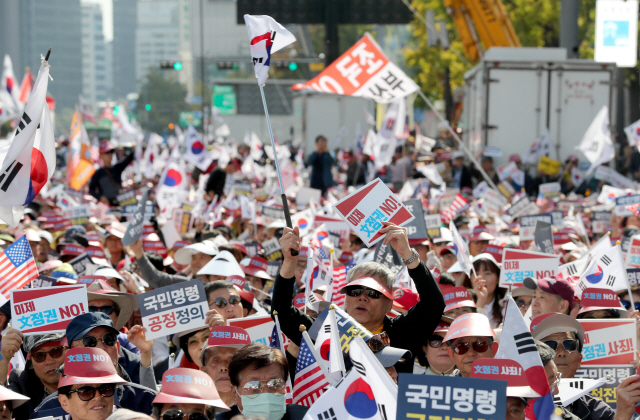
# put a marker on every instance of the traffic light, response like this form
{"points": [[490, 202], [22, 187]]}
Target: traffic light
{"points": [[170, 65], [293, 66], [147, 107], [171, 126], [116, 109], [228, 65]]}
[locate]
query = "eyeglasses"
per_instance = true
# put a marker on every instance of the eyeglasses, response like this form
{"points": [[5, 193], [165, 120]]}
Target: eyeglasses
{"points": [[254, 388], [356, 291], [104, 309], [379, 341], [523, 303], [222, 302], [86, 393], [570, 344], [479, 346], [627, 305], [109, 339], [437, 341], [179, 415], [40, 357]]}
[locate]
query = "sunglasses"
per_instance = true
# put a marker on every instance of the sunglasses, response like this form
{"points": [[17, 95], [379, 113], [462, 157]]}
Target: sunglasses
{"points": [[479, 346], [222, 302], [104, 309], [356, 291], [436, 341], [379, 341], [273, 386], [86, 393], [627, 305], [109, 339], [179, 415], [40, 357], [570, 344]]}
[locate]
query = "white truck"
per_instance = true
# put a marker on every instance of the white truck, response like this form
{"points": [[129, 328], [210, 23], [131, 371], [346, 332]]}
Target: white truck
{"points": [[513, 94]]}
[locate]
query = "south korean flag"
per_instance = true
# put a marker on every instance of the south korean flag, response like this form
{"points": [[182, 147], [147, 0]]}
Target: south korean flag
{"points": [[266, 36]]}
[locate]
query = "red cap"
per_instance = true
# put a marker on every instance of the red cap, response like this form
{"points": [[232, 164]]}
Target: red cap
{"points": [[480, 233], [88, 365], [370, 283], [404, 298], [72, 250], [106, 146], [442, 327], [237, 280], [556, 285], [299, 300], [470, 325], [257, 267], [457, 297], [504, 370], [515, 158], [95, 252], [228, 337], [188, 386], [345, 257], [595, 299], [304, 252]]}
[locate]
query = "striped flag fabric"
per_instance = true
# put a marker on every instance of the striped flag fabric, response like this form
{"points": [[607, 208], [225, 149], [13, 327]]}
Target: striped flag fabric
{"points": [[339, 281], [275, 342], [633, 209], [100, 212], [459, 205], [17, 267], [311, 379]]}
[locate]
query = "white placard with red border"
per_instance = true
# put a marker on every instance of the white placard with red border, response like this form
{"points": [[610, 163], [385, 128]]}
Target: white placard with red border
{"points": [[365, 209], [48, 309], [333, 224], [259, 329], [518, 265], [632, 256], [507, 170], [610, 342]]}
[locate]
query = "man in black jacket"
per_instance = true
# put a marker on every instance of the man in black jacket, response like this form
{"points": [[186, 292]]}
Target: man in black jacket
{"points": [[218, 178], [106, 183], [366, 305]]}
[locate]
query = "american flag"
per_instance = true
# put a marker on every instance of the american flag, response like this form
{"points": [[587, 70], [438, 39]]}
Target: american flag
{"points": [[101, 211], [276, 343], [459, 205], [17, 267], [339, 281], [633, 209], [310, 379]]}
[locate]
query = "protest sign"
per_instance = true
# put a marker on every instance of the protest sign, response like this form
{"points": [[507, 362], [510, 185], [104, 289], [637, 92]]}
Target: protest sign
{"points": [[387, 256], [492, 151], [550, 189], [600, 221], [543, 237], [156, 247], [83, 265], [306, 194], [624, 201], [173, 309], [363, 71], [528, 225], [610, 342], [273, 268], [557, 217], [632, 256], [416, 229], [259, 328], [127, 201], [332, 224], [136, 224], [496, 251], [252, 248], [77, 215], [92, 279], [633, 275], [433, 223], [446, 199], [493, 201], [271, 214], [613, 177], [446, 397], [549, 166], [522, 207], [613, 377], [95, 252], [48, 309], [242, 188], [507, 170], [272, 250], [367, 207], [506, 189], [41, 282], [517, 265]]}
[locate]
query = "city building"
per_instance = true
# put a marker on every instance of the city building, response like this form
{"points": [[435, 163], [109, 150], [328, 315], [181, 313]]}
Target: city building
{"points": [[96, 62]]}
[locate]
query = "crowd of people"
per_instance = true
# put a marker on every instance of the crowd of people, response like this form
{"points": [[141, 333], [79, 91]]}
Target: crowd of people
{"points": [[436, 320]]}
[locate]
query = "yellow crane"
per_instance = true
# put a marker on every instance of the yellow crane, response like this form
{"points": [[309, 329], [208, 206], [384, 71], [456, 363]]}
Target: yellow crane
{"points": [[481, 20]]}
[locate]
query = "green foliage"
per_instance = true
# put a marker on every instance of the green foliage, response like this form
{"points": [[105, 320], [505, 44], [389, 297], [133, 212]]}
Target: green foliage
{"points": [[167, 98]]}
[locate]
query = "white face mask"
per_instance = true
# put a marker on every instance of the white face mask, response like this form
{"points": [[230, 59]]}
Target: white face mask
{"points": [[266, 405]]}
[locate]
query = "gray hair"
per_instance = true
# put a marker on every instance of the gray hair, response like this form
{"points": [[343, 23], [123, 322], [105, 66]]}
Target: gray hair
{"points": [[124, 414], [546, 353], [372, 269]]}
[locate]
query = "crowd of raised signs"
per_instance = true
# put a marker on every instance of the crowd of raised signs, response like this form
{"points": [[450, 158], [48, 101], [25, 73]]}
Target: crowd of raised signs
{"points": [[415, 291]]}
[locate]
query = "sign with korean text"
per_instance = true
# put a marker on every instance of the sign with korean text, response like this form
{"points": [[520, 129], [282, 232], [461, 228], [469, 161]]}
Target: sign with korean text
{"points": [[259, 328], [557, 216], [433, 223], [366, 208], [518, 264], [616, 32], [348, 328], [632, 257], [493, 201], [416, 229], [600, 221], [543, 237], [174, 308], [506, 189], [528, 225], [40, 282], [127, 201], [550, 189], [364, 71], [505, 171], [77, 215], [633, 275], [387, 256], [610, 342], [83, 265], [437, 397], [496, 251], [272, 250], [623, 202], [549, 166], [522, 207], [613, 377], [242, 188], [271, 214], [47, 309]]}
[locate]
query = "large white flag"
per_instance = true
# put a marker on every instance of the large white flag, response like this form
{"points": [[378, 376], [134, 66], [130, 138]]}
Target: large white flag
{"points": [[461, 250], [196, 152], [384, 144], [173, 183], [9, 82], [15, 174], [633, 134], [266, 36], [596, 143], [606, 270]]}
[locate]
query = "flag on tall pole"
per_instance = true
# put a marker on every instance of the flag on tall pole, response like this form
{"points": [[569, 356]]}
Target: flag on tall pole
{"points": [[15, 179], [311, 378], [80, 164]]}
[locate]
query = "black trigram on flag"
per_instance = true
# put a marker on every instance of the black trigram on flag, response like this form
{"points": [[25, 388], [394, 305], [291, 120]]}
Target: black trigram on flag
{"points": [[611, 280], [24, 121], [525, 342], [383, 411], [6, 178], [605, 260], [557, 400], [327, 328], [577, 384], [572, 269], [359, 367], [327, 415]]}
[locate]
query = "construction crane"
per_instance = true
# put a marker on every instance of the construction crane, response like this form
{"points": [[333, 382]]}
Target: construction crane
{"points": [[481, 20]]}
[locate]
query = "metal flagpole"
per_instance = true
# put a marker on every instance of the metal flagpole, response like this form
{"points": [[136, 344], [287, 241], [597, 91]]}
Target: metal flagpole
{"points": [[285, 205]]}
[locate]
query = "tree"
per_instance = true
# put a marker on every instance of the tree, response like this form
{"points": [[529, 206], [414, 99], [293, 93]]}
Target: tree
{"points": [[166, 97]]}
